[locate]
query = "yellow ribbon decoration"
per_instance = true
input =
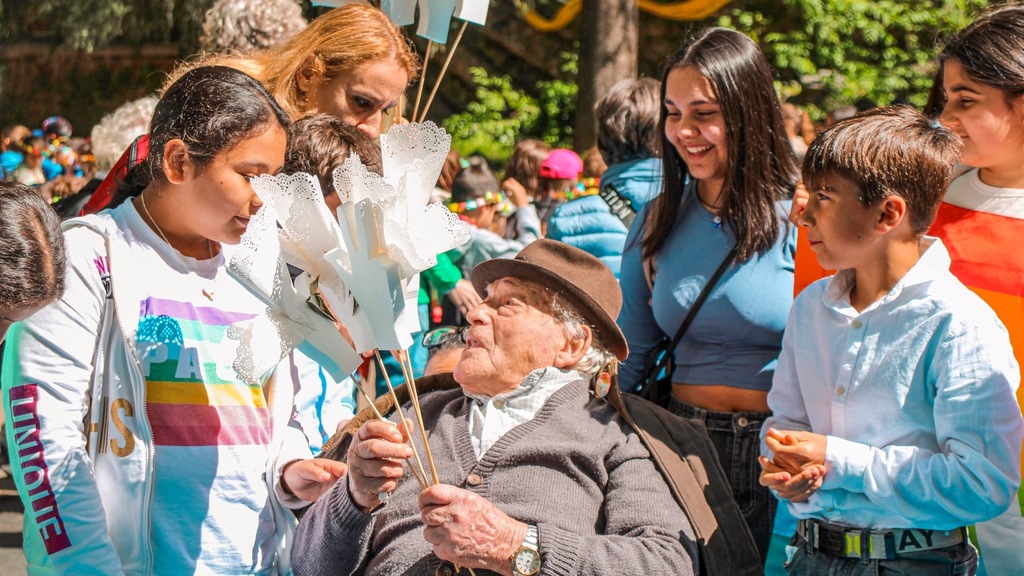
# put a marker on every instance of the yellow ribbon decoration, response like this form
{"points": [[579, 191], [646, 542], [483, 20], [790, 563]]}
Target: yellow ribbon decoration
{"points": [[685, 10], [567, 13]]}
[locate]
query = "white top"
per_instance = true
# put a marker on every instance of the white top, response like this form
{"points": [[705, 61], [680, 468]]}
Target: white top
{"points": [[968, 191], [915, 395]]}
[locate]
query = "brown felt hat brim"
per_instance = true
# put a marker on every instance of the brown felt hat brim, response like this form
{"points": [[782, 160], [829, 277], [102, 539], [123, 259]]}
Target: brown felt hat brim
{"points": [[606, 330]]}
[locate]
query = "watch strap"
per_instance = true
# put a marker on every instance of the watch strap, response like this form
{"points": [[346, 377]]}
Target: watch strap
{"points": [[532, 539]]}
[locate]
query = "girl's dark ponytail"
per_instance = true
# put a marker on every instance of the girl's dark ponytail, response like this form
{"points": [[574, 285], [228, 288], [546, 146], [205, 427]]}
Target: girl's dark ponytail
{"points": [[210, 109]]}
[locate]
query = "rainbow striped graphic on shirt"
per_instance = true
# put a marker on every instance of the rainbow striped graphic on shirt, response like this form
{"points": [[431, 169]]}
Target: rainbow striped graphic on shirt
{"points": [[981, 246], [193, 396]]}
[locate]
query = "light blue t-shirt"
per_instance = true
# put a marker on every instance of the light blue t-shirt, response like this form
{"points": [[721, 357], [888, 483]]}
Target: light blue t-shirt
{"points": [[736, 336]]}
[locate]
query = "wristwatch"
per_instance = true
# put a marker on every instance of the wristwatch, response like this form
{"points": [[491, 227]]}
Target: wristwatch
{"points": [[526, 560]]}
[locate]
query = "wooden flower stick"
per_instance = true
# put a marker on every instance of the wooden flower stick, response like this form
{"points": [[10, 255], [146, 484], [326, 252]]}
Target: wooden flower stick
{"points": [[406, 365], [421, 476], [403, 359], [423, 79], [372, 405], [444, 68]]}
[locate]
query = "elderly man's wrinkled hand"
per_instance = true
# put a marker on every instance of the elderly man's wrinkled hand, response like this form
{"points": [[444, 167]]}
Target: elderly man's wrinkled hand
{"points": [[375, 462], [467, 530]]}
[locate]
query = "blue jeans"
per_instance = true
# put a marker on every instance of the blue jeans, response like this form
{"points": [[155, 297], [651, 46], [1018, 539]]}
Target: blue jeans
{"points": [[958, 560], [737, 440]]}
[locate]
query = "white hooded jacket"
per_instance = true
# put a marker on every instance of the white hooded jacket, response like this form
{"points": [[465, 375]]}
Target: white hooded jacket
{"points": [[131, 461]]}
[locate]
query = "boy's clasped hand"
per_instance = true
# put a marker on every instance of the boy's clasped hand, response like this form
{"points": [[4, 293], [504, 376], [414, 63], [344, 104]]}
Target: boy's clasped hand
{"points": [[797, 467]]}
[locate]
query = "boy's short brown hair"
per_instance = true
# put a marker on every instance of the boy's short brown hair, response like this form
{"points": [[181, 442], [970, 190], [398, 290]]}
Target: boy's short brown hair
{"points": [[885, 152], [320, 143]]}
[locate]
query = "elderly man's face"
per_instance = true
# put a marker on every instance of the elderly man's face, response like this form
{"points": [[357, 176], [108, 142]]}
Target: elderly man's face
{"points": [[512, 334]]}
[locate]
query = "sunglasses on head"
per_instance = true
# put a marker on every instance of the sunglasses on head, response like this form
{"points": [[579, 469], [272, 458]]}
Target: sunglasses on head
{"points": [[441, 334]]}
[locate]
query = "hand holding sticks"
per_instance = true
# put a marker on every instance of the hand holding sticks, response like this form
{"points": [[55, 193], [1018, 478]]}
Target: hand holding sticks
{"points": [[406, 365]]}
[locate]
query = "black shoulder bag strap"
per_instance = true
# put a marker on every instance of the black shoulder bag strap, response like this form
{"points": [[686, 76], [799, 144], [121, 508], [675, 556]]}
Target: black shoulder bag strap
{"points": [[619, 205], [655, 382]]}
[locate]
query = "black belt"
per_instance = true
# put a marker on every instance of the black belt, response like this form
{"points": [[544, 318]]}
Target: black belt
{"points": [[874, 544]]}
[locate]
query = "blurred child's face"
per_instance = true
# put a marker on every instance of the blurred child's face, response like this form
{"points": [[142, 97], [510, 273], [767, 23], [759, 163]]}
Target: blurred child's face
{"points": [[333, 201], [360, 97], [992, 129], [840, 229], [695, 126]]}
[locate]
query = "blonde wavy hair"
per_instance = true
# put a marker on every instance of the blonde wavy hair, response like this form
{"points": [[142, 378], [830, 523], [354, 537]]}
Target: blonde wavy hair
{"points": [[333, 44]]}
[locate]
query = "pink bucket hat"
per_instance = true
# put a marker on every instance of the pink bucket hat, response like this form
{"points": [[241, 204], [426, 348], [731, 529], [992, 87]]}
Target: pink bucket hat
{"points": [[561, 163]]}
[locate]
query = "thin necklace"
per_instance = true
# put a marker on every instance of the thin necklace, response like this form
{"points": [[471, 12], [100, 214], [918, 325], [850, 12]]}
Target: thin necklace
{"points": [[208, 293], [716, 221]]}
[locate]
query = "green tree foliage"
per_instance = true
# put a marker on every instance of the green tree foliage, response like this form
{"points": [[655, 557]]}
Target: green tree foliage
{"points": [[91, 24], [502, 114], [829, 53]]}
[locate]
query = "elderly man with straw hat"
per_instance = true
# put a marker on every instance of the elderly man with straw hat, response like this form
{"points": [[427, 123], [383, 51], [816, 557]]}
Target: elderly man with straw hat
{"points": [[535, 473]]}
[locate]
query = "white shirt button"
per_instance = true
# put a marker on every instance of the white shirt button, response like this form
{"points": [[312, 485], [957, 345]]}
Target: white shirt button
{"points": [[499, 403], [857, 324], [841, 390]]}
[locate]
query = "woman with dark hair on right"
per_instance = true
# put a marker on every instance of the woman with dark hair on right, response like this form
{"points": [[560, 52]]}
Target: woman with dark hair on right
{"points": [[31, 254], [729, 171], [981, 99], [137, 446]]}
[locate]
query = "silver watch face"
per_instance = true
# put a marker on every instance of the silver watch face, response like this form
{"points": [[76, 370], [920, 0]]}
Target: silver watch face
{"points": [[527, 561]]}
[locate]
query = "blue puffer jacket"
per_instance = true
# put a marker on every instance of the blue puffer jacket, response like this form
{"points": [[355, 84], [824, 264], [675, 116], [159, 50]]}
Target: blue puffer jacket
{"points": [[637, 180], [586, 222]]}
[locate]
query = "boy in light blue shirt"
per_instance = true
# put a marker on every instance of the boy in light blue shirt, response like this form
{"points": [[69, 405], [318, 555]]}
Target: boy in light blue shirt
{"points": [[895, 423]]}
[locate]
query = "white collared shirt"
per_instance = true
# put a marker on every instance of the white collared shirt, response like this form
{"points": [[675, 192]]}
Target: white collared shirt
{"points": [[490, 418], [915, 395]]}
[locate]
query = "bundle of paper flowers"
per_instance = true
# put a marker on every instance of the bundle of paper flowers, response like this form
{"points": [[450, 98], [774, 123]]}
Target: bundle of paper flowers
{"points": [[358, 268]]}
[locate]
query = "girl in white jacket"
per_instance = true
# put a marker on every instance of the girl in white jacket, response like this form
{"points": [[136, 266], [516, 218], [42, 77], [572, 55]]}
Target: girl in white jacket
{"points": [[136, 446]]}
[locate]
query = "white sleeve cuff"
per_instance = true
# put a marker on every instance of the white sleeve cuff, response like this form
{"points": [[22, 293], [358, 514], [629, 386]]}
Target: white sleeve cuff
{"points": [[846, 463]]}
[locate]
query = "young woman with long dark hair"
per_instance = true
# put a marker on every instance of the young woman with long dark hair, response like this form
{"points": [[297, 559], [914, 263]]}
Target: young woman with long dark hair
{"points": [[729, 170]]}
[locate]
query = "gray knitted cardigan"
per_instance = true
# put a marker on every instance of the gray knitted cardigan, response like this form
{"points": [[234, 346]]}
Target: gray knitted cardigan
{"points": [[576, 470]]}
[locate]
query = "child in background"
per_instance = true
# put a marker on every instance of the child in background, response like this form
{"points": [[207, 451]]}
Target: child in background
{"points": [[522, 176], [10, 149], [523, 167], [320, 143], [559, 176], [894, 425], [317, 145], [30, 171], [476, 199], [59, 159], [983, 212]]}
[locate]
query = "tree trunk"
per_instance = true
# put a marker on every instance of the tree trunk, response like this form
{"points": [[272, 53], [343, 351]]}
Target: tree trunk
{"points": [[608, 32]]}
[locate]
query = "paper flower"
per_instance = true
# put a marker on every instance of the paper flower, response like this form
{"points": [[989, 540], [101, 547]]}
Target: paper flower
{"points": [[359, 267]]}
